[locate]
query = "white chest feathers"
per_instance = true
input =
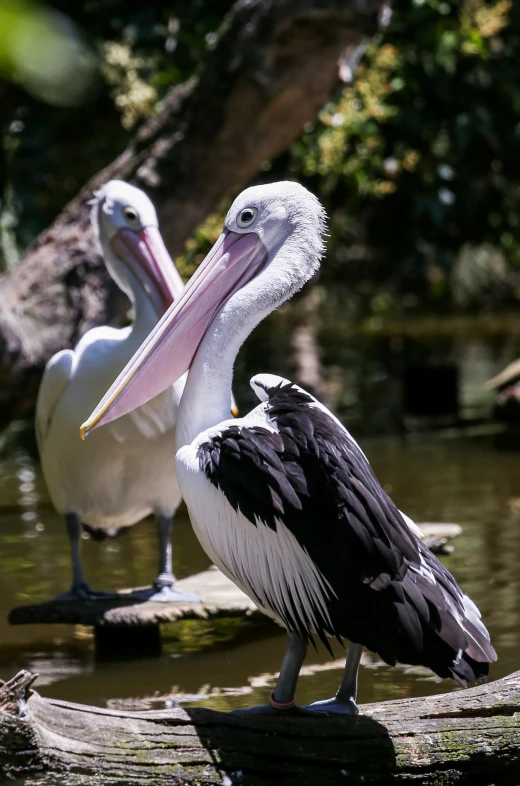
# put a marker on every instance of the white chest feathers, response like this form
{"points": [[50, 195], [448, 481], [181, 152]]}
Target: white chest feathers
{"points": [[269, 565]]}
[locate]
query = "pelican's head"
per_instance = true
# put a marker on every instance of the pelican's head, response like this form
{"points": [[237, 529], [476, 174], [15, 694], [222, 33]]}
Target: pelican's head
{"points": [[284, 216], [134, 252], [271, 244]]}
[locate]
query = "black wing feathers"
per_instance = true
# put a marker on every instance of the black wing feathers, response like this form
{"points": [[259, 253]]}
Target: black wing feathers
{"points": [[315, 479]]}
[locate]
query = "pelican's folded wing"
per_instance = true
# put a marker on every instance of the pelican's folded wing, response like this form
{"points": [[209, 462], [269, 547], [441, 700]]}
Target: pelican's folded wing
{"points": [[367, 576], [56, 377]]}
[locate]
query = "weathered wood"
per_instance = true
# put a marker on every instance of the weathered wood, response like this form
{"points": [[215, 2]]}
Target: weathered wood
{"points": [[436, 536], [464, 737], [437, 529], [508, 376], [219, 596], [13, 693], [274, 65]]}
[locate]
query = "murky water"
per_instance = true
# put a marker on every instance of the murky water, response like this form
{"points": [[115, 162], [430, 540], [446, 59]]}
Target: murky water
{"points": [[471, 481]]}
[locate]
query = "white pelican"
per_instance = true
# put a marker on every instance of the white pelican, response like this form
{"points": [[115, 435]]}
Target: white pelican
{"points": [[127, 472], [283, 500]]}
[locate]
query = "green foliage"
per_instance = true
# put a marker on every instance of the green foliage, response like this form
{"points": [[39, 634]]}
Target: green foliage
{"points": [[417, 161], [47, 151], [421, 155], [198, 246], [43, 52]]}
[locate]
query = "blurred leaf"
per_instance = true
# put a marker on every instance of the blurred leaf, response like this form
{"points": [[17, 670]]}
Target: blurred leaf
{"points": [[41, 50]]}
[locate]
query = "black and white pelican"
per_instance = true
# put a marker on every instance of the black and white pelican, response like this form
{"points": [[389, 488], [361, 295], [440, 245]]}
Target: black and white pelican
{"points": [[127, 472], [283, 500]]}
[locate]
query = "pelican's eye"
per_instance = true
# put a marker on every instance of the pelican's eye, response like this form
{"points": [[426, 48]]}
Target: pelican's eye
{"points": [[131, 215], [247, 217]]}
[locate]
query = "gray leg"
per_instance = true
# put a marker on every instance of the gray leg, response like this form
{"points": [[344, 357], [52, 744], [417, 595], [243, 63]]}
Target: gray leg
{"points": [[290, 671], [345, 699], [80, 590], [282, 697], [348, 688], [165, 577], [163, 586], [79, 584]]}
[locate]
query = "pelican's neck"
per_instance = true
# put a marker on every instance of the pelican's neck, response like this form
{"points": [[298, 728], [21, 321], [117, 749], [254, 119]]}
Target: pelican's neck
{"points": [[145, 315], [206, 399]]}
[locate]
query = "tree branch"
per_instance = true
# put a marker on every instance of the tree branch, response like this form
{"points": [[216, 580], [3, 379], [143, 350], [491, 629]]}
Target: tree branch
{"points": [[273, 67]]}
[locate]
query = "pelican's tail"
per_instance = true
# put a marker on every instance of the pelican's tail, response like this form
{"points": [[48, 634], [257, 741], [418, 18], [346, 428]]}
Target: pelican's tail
{"points": [[472, 664]]}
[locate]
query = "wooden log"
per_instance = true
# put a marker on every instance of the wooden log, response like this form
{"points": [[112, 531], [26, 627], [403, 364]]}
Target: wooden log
{"points": [[219, 596], [437, 529], [436, 536], [127, 628], [464, 737], [509, 376]]}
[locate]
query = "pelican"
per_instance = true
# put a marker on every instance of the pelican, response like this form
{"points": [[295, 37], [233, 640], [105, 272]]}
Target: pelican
{"points": [[283, 500], [127, 472]]}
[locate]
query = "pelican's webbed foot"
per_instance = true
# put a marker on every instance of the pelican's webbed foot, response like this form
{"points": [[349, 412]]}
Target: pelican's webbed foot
{"points": [[82, 591], [168, 594], [343, 707], [268, 709], [335, 705], [164, 591]]}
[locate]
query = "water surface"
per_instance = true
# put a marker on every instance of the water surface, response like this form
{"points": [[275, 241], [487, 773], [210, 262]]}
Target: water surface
{"points": [[471, 481]]}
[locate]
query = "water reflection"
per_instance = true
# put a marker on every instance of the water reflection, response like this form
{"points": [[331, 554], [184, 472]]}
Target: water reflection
{"points": [[470, 481]]}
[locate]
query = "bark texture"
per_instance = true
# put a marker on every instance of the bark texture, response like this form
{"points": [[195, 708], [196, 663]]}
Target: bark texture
{"points": [[466, 737], [274, 65]]}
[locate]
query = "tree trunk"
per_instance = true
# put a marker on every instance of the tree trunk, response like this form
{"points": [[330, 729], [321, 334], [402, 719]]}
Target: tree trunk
{"points": [[274, 65], [465, 737]]}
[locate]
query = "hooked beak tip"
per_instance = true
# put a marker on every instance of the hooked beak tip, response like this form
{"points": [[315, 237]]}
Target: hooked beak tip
{"points": [[235, 411], [83, 431]]}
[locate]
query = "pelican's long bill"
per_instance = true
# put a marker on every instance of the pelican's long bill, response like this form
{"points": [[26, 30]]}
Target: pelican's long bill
{"points": [[146, 256], [168, 351]]}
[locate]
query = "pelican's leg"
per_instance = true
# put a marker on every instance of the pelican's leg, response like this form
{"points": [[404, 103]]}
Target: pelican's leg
{"points": [[282, 698], [295, 653], [165, 577], [345, 699], [164, 583], [80, 590], [79, 584]]}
